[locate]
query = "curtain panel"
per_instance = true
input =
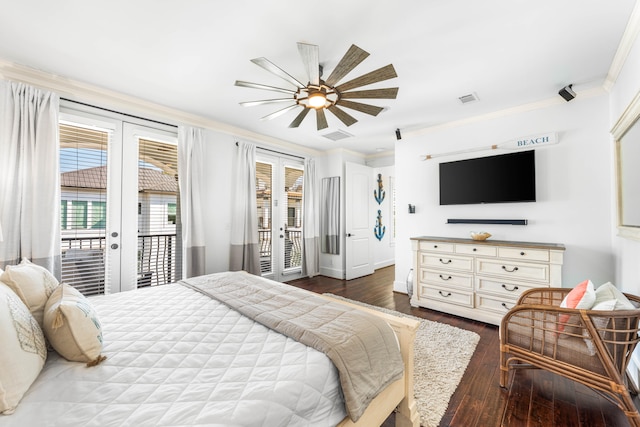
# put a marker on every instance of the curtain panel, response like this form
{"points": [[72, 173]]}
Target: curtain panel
{"points": [[29, 176], [191, 180], [245, 248], [310, 223]]}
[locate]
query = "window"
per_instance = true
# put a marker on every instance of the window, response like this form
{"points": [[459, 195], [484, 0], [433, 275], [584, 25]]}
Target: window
{"points": [[171, 213], [78, 214], [98, 215]]}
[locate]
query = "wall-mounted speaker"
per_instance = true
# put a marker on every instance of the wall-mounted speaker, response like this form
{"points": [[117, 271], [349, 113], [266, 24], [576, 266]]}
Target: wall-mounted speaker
{"points": [[567, 93]]}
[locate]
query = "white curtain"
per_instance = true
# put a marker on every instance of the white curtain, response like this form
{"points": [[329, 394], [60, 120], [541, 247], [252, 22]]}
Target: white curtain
{"points": [[29, 176], [310, 222], [191, 170], [245, 248]]}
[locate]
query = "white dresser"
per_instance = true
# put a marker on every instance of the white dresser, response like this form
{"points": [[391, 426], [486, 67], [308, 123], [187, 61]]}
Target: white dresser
{"points": [[480, 280]]}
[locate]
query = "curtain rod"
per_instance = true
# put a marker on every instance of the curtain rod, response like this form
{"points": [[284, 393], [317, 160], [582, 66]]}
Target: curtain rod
{"points": [[119, 112], [277, 152]]}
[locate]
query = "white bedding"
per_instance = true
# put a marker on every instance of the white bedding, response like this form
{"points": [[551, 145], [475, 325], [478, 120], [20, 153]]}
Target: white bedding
{"points": [[176, 357]]}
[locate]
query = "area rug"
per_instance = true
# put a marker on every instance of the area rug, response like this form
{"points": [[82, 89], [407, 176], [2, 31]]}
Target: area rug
{"points": [[442, 353]]}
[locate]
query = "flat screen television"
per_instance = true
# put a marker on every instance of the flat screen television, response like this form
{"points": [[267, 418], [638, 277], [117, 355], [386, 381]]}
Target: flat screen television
{"points": [[505, 178]]}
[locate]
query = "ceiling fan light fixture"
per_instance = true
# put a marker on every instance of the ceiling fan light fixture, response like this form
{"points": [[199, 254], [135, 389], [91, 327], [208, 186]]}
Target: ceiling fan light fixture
{"points": [[317, 100]]}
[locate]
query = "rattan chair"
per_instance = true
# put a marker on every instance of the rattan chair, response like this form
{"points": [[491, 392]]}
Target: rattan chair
{"points": [[591, 347]]}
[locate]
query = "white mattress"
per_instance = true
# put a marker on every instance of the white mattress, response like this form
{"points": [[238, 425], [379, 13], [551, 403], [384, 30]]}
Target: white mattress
{"points": [[177, 358]]}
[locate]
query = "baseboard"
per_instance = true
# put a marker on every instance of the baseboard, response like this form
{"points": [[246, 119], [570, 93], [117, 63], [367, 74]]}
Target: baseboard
{"points": [[400, 287], [383, 264], [332, 272]]}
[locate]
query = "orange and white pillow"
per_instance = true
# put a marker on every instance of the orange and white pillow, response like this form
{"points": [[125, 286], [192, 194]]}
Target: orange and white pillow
{"points": [[582, 296]]}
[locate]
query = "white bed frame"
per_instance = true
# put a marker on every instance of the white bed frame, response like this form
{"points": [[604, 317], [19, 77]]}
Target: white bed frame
{"points": [[398, 395]]}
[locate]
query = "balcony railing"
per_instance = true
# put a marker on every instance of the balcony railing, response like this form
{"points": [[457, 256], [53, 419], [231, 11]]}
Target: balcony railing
{"points": [[292, 248], [83, 262]]}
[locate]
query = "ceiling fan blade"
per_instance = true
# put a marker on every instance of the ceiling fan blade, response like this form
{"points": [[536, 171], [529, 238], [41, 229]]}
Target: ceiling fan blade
{"points": [[349, 61], [299, 118], [387, 93], [264, 87], [321, 119], [264, 101], [363, 108], [274, 69], [381, 74], [310, 55], [342, 115], [279, 112]]}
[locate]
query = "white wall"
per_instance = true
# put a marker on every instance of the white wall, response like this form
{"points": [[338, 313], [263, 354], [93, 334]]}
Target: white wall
{"points": [[627, 251], [384, 250], [572, 179]]}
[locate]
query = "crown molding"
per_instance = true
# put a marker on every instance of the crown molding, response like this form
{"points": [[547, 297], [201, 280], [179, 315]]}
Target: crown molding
{"points": [[584, 94], [90, 94], [629, 37]]}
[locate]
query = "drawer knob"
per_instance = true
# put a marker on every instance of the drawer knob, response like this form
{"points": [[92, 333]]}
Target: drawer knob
{"points": [[522, 253], [445, 278], [506, 306], [515, 288], [435, 246], [448, 294], [509, 271], [445, 262], [474, 249]]}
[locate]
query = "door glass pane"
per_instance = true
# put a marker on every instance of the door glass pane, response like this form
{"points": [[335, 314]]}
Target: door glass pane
{"points": [[83, 181], [264, 177], [158, 214], [293, 213]]}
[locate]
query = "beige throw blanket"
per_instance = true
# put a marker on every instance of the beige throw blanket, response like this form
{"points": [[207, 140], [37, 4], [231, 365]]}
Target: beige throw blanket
{"points": [[362, 346]]}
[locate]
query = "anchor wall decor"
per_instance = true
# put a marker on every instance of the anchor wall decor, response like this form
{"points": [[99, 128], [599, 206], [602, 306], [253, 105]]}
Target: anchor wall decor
{"points": [[379, 193], [379, 229]]}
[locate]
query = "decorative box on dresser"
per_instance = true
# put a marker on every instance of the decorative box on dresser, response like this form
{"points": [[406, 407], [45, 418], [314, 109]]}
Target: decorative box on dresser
{"points": [[480, 280]]}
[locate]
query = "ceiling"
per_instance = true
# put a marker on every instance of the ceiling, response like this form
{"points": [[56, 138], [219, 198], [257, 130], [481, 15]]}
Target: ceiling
{"points": [[187, 54]]}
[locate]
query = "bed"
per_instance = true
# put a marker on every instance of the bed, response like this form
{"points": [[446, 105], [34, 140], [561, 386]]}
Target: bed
{"points": [[180, 355]]}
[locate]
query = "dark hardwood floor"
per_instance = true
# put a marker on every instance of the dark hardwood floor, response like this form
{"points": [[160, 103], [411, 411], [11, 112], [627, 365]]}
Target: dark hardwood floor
{"points": [[535, 398]]}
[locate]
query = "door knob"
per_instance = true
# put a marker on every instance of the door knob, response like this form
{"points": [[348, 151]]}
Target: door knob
{"points": [[114, 246]]}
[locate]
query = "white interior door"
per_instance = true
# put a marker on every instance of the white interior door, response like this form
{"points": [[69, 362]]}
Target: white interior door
{"points": [[359, 221]]}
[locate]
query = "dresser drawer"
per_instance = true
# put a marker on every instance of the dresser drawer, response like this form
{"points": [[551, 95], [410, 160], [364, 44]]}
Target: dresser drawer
{"points": [[437, 247], [513, 270], [495, 305], [479, 250], [502, 288], [441, 278], [451, 296], [524, 254], [447, 262]]}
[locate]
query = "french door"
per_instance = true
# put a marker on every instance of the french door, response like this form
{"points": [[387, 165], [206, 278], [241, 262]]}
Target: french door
{"points": [[119, 204], [279, 195]]}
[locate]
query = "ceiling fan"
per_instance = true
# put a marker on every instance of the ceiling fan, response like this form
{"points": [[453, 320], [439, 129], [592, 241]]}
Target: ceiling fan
{"points": [[329, 94]]}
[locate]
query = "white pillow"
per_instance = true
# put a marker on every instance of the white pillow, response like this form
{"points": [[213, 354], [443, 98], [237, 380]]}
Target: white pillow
{"points": [[599, 323], [22, 350], [72, 327], [32, 283], [609, 292]]}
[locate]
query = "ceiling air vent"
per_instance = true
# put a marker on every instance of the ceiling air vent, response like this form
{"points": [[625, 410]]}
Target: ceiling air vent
{"points": [[472, 97], [337, 135]]}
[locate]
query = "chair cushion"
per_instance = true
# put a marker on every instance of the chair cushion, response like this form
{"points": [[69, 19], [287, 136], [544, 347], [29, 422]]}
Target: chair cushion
{"points": [[22, 349], [32, 283], [72, 327]]}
